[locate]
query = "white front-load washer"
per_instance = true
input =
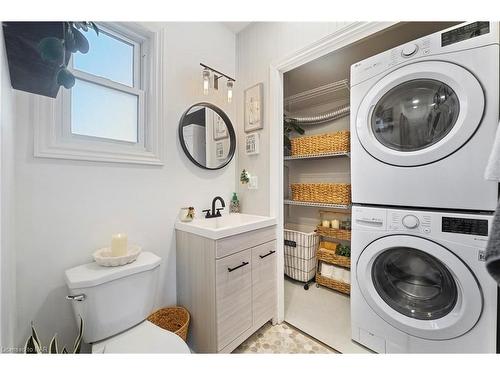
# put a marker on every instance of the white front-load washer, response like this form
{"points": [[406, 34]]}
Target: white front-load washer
{"points": [[419, 282], [423, 121]]}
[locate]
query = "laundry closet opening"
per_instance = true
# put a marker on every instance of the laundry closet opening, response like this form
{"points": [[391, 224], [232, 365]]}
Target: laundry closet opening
{"points": [[317, 170]]}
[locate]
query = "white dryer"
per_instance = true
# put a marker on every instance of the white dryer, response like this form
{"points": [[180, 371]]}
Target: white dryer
{"points": [[419, 282], [423, 121]]}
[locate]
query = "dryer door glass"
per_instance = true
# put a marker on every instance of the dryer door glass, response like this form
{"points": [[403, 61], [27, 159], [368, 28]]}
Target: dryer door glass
{"points": [[415, 115], [414, 283]]}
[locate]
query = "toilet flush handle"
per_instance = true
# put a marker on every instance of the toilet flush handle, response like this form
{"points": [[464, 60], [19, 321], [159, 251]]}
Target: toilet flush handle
{"points": [[77, 297]]}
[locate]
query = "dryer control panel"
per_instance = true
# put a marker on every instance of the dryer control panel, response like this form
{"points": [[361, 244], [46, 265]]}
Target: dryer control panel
{"points": [[458, 38]]}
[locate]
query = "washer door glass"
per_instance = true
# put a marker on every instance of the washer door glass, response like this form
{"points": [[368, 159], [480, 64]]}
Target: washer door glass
{"points": [[414, 283], [419, 113], [415, 115], [418, 286]]}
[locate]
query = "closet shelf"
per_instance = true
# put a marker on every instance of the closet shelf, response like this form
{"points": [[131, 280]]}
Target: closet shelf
{"points": [[338, 89], [316, 204], [318, 156]]}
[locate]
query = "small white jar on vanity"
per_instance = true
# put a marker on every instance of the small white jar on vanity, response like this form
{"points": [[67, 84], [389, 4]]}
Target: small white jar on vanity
{"points": [[226, 278]]}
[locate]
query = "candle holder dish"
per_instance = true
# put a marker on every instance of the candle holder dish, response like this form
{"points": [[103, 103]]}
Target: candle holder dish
{"points": [[103, 256]]}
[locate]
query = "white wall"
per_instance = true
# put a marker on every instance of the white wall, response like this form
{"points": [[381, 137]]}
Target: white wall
{"points": [[259, 45], [67, 209], [7, 252]]}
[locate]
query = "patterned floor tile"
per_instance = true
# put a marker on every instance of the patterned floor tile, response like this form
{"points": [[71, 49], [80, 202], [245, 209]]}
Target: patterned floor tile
{"points": [[281, 339]]}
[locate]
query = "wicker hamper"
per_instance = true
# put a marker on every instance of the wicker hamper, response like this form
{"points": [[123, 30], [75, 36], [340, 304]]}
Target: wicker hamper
{"points": [[174, 319], [300, 252]]}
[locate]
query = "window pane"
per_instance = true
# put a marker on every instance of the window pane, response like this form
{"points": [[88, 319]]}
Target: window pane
{"points": [[102, 112], [108, 57]]}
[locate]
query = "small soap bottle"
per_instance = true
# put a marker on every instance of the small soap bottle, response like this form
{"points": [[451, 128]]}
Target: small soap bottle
{"points": [[234, 206]]}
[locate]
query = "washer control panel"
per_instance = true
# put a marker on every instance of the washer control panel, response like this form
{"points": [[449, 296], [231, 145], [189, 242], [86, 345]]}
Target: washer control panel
{"points": [[409, 50], [410, 222], [468, 229]]}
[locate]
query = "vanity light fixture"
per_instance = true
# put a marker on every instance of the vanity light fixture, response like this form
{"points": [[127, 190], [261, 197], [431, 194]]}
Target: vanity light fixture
{"points": [[217, 75], [229, 91], [206, 80]]}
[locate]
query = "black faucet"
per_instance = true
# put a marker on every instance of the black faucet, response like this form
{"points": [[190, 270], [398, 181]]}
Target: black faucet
{"points": [[215, 212]]}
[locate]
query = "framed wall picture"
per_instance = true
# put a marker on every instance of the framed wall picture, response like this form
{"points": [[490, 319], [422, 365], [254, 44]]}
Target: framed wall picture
{"points": [[252, 144], [219, 126], [219, 150], [254, 108]]}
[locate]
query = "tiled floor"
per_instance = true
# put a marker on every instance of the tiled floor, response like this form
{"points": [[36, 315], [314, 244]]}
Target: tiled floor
{"points": [[283, 339]]}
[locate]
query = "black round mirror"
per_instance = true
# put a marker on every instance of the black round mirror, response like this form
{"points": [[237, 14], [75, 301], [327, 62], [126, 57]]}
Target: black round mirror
{"points": [[207, 136]]}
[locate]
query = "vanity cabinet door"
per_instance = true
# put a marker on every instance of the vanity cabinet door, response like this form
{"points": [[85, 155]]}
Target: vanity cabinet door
{"points": [[234, 296], [264, 282]]}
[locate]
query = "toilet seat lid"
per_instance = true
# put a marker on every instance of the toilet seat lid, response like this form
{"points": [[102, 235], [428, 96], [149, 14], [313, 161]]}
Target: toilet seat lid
{"points": [[143, 338]]}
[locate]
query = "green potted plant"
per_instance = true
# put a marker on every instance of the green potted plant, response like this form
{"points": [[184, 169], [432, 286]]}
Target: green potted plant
{"points": [[290, 125], [34, 346], [343, 250]]}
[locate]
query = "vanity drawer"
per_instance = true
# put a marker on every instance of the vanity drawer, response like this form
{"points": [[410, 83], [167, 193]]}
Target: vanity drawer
{"points": [[234, 296], [230, 245], [264, 281]]}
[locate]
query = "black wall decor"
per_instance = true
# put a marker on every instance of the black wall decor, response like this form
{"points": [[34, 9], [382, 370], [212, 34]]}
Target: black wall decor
{"points": [[28, 72]]}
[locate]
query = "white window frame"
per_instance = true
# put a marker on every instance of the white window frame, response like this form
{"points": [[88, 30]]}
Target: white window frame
{"points": [[52, 117]]}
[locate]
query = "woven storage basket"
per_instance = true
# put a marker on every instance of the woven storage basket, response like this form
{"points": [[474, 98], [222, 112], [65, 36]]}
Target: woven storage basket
{"points": [[322, 193], [326, 253], [333, 284], [340, 234], [321, 144], [174, 319]]}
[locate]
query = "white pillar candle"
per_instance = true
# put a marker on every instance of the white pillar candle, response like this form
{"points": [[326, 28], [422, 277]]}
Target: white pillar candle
{"points": [[326, 223], [119, 245], [335, 224]]}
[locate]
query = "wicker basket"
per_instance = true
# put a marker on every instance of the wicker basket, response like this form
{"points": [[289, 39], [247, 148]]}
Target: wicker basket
{"points": [[340, 234], [326, 253], [333, 284], [174, 319], [322, 193], [321, 144]]}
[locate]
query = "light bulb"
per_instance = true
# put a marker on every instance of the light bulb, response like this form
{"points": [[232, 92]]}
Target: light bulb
{"points": [[229, 91], [206, 81]]}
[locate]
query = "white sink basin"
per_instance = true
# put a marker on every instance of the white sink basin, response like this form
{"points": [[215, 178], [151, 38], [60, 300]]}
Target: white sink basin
{"points": [[226, 225]]}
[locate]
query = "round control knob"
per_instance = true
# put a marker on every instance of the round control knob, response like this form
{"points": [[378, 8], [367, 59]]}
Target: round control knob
{"points": [[410, 221], [409, 50]]}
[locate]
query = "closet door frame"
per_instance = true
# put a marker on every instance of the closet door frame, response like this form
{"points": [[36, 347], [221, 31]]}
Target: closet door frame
{"points": [[346, 35]]}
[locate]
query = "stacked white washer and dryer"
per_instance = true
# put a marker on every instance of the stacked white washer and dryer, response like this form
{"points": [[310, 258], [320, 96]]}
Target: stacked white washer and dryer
{"points": [[423, 120]]}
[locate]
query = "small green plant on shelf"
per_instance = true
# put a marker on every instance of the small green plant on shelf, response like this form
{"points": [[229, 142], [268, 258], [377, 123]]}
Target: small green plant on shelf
{"points": [[343, 250], [34, 345], [244, 177], [290, 125]]}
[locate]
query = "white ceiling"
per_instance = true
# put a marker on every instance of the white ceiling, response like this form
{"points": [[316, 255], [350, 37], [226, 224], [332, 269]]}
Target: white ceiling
{"points": [[236, 27]]}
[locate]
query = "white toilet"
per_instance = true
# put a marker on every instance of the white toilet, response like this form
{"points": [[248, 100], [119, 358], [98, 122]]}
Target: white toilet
{"points": [[114, 303]]}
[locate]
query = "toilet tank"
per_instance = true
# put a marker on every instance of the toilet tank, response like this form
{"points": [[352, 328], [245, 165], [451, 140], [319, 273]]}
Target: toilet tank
{"points": [[115, 298]]}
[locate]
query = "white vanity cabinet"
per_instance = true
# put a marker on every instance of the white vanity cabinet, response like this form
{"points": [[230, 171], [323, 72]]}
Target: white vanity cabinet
{"points": [[228, 285]]}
